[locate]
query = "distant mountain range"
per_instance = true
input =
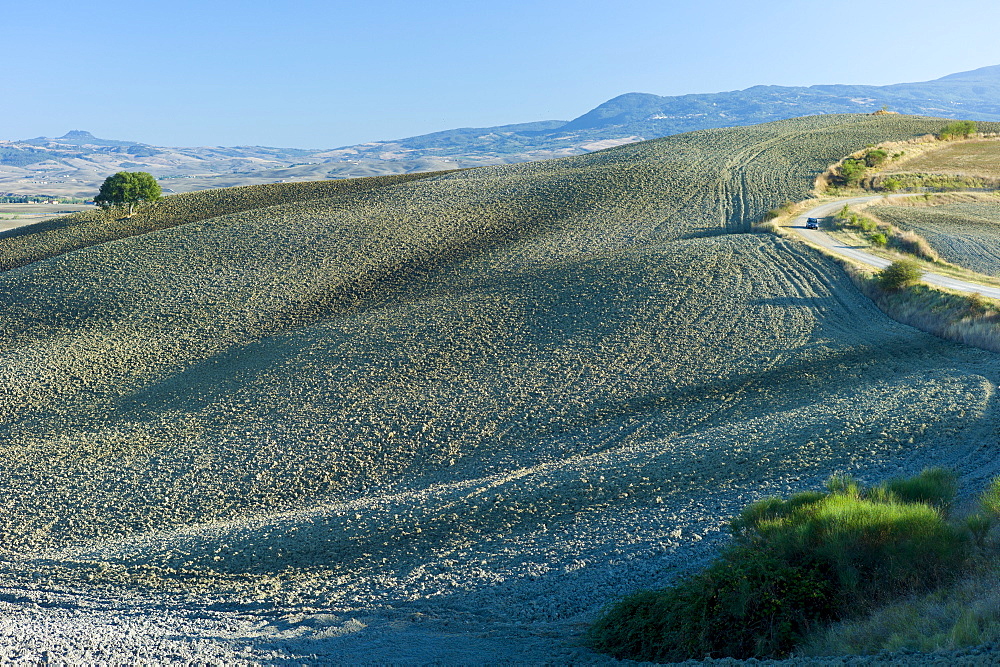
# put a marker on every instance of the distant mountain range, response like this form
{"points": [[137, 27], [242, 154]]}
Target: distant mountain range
{"points": [[77, 162]]}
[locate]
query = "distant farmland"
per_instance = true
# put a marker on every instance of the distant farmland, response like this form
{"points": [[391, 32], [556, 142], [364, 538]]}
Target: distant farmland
{"points": [[978, 157], [964, 233], [479, 404]]}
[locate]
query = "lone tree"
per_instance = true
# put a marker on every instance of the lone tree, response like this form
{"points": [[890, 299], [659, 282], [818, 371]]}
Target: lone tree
{"points": [[128, 188]]}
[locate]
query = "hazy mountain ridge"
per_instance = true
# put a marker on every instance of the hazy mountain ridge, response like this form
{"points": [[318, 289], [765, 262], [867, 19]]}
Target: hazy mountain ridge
{"points": [[77, 162]]}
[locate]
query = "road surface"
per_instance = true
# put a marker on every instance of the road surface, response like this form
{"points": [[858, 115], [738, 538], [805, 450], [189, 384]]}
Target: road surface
{"points": [[822, 239]]}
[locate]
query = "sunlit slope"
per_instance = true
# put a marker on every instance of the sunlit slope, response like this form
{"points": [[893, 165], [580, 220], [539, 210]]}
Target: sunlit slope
{"points": [[61, 235], [964, 233], [517, 331]]}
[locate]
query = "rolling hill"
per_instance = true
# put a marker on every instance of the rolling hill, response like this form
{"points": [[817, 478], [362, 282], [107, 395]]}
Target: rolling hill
{"points": [[76, 163], [448, 416]]}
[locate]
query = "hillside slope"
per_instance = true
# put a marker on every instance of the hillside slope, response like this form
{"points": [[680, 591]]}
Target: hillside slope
{"points": [[468, 409]]}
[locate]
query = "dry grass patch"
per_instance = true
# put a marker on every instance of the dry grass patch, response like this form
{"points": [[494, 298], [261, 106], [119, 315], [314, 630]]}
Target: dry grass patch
{"points": [[979, 157], [967, 318]]}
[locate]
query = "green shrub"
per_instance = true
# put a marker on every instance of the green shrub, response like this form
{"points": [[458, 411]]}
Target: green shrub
{"points": [[934, 486], [876, 547], [892, 185], [977, 305], [876, 157], [796, 564], [901, 273], [852, 170], [747, 604], [864, 224], [878, 238]]}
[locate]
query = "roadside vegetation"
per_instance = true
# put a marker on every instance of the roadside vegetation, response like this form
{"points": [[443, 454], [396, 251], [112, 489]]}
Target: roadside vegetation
{"points": [[797, 564], [967, 318], [897, 290], [857, 226]]}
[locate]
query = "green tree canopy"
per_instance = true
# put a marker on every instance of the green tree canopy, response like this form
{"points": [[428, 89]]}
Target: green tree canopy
{"points": [[959, 129], [128, 188]]}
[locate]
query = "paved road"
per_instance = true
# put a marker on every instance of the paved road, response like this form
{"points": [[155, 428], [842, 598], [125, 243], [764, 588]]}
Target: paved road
{"points": [[820, 238]]}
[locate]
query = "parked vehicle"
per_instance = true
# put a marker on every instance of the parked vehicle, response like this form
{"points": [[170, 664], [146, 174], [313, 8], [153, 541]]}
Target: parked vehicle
{"points": [[812, 223]]}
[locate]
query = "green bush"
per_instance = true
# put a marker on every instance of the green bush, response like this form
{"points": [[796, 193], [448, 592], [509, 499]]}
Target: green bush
{"points": [[892, 185], [852, 170], [747, 604], [876, 547], [876, 157], [797, 563], [878, 238], [977, 305], [901, 273]]}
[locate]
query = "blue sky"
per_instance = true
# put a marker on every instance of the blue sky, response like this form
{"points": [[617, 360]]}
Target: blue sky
{"points": [[303, 73]]}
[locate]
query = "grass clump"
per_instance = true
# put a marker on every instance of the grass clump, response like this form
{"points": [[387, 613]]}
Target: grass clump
{"points": [[958, 615], [795, 565], [912, 244], [934, 486]]}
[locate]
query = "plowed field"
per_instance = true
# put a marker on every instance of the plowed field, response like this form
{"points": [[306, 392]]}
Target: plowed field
{"points": [[967, 234], [448, 418]]}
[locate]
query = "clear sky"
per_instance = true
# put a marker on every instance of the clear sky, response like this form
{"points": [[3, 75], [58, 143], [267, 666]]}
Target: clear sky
{"points": [[323, 74]]}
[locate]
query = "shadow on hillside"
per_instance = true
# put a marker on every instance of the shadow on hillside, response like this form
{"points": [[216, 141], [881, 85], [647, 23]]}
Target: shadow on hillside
{"points": [[61, 222]]}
